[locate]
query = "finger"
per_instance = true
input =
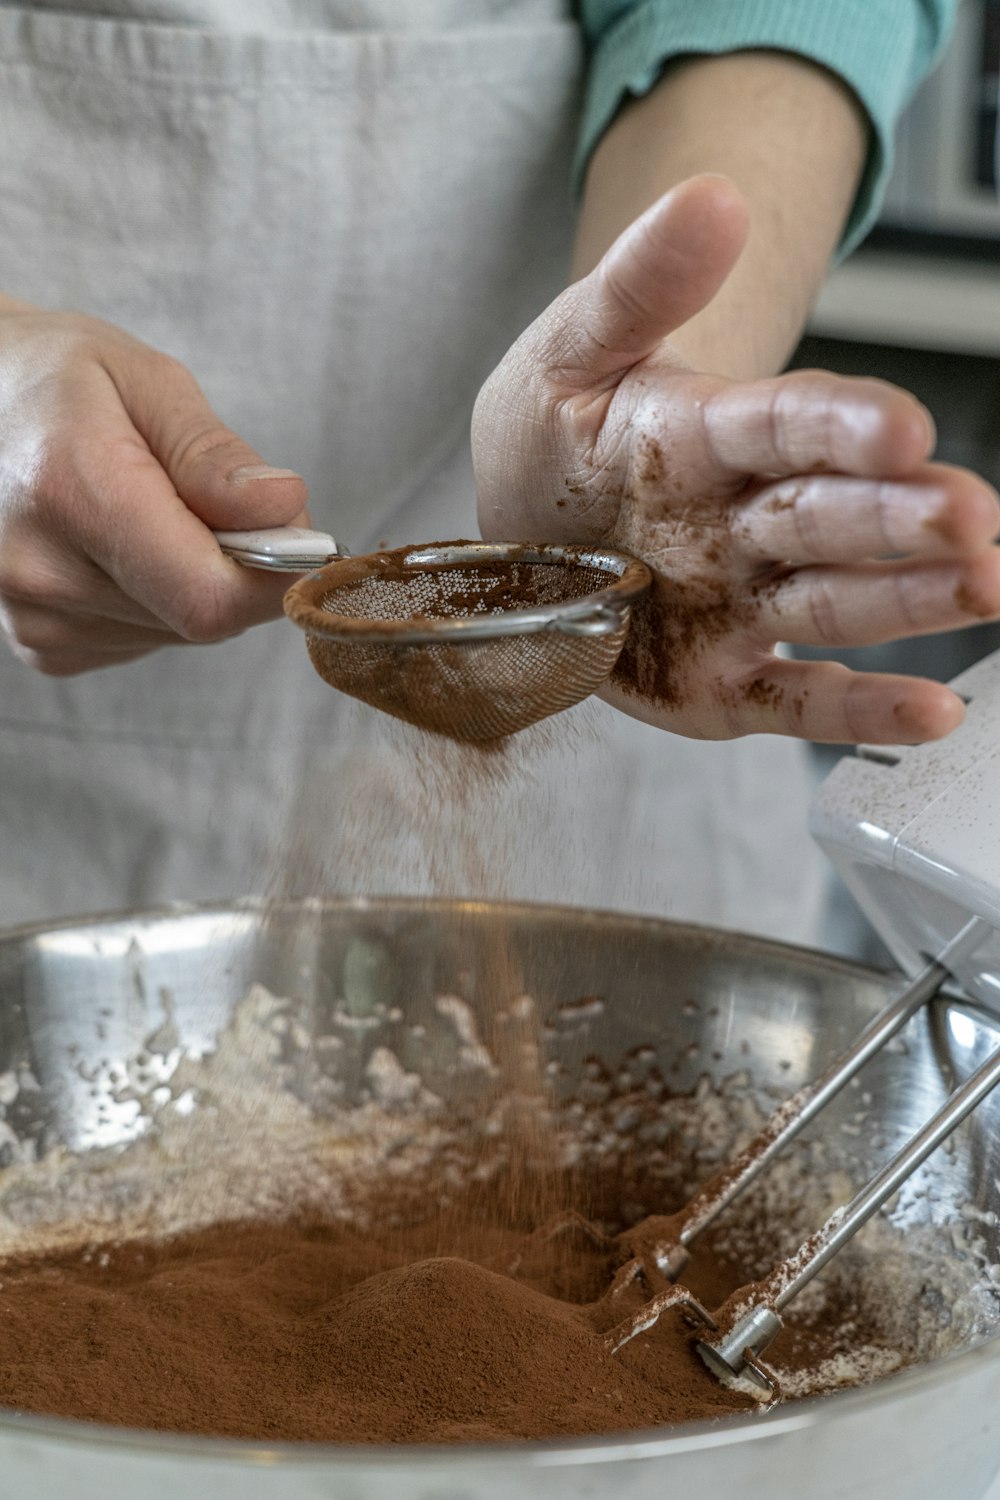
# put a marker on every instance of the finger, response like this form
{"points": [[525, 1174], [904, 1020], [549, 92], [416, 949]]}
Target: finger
{"points": [[662, 270], [131, 522], [813, 420], [74, 663], [828, 703], [52, 579], [51, 632], [876, 602], [938, 512], [219, 477]]}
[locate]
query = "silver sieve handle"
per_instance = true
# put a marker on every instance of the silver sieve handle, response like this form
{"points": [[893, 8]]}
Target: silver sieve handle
{"points": [[602, 619], [280, 549]]}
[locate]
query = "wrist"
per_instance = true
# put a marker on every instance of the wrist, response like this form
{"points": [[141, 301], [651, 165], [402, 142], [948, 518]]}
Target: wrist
{"points": [[791, 137]]}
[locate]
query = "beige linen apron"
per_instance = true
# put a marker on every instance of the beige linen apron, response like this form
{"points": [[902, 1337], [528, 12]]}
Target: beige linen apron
{"points": [[338, 214]]}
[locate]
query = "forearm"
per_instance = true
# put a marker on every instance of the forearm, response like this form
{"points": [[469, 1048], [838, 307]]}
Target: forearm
{"points": [[791, 136]]}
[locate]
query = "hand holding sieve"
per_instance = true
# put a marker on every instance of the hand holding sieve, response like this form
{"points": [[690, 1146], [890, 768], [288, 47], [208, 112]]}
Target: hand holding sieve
{"points": [[472, 640]]}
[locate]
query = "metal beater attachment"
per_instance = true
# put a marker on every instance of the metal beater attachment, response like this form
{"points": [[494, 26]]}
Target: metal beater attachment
{"points": [[467, 639], [751, 1319], [754, 1319]]}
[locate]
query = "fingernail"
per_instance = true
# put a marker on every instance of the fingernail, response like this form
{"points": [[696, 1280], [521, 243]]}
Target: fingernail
{"points": [[247, 472]]}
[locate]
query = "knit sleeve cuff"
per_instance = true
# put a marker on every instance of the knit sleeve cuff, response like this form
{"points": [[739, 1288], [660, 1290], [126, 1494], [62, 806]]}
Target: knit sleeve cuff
{"points": [[880, 48]]}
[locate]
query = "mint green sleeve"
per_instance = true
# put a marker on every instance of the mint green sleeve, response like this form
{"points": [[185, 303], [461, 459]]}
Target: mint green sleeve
{"points": [[880, 48]]}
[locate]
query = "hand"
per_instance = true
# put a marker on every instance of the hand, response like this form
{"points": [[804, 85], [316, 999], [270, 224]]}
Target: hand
{"points": [[113, 467], [800, 508]]}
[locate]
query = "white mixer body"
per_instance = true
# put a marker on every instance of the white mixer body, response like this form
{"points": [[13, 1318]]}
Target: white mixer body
{"points": [[914, 831]]}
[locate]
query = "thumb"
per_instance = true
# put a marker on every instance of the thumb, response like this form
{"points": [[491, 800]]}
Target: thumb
{"points": [[664, 268], [220, 478]]}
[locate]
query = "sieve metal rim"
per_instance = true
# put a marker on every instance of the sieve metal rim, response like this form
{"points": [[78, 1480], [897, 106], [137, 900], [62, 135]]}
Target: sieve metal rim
{"points": [[599, 613]]}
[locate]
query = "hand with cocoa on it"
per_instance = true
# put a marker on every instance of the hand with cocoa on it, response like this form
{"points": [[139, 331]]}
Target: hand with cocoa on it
{"points": [[800, 508]]}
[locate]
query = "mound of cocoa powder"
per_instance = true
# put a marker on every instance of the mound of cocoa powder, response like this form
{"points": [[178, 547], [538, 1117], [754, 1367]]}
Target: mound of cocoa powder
{"points": [[456, 1329], [319, 1332]]}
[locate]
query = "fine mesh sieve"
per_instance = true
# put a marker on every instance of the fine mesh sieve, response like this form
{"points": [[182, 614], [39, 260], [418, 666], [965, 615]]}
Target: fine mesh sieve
{"points": [[471, 640]]}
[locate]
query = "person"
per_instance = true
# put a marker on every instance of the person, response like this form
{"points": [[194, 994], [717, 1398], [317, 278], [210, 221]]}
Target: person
{"points": [[247, 243]]}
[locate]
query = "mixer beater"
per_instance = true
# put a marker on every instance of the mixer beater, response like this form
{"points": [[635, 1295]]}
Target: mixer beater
{"points": [[913, 831], [741, 1330]]}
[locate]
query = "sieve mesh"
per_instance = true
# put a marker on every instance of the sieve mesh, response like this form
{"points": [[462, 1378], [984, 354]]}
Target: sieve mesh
{"points": [[441, 593], [383, 629]]}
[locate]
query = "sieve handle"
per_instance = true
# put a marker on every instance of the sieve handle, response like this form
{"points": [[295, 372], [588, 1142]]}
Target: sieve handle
{"points": [[280, 549], [600, 620]]}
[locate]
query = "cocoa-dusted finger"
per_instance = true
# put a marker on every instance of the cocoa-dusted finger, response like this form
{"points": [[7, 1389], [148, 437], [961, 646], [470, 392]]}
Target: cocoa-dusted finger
{"points": [[826, 518], [876, 602], [830, 704], [813, 420]]}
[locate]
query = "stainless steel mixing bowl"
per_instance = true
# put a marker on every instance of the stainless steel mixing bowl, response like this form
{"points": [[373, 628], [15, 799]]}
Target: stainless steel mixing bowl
{"points": [[77, 1000]]}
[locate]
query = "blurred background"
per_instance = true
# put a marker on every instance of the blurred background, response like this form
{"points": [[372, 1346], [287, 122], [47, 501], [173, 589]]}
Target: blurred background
{"points": [[919, 304]]}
